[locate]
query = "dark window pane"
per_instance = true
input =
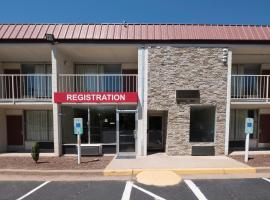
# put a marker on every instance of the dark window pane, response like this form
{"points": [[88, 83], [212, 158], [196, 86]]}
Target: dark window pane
{"points": [[202, 123], [127, 128]]}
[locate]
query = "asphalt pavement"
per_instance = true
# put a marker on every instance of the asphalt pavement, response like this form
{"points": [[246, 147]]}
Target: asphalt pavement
{"points": [[220, 189]]}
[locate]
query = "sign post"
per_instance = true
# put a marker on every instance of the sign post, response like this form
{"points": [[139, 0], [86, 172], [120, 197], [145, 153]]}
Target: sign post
{"points": [[78, 130], [79, 148], [248, 130]]}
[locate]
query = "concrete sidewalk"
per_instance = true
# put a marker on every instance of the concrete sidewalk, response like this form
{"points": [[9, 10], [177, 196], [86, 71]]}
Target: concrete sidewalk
{"points": [[26, 155], [251, 153], [178, 164]]}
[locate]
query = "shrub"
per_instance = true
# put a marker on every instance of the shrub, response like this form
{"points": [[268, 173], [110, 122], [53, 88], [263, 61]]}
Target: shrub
{"points": [[35, 151]]}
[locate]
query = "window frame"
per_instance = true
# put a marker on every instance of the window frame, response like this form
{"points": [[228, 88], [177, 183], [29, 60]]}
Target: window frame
{"points": [[215, 120], [47, 129]]}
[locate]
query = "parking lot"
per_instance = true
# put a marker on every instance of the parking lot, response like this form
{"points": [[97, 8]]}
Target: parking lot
{"points": [[116, 190]]}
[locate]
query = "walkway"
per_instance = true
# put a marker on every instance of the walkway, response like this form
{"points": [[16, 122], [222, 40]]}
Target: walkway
{"points": [[178, 164]]}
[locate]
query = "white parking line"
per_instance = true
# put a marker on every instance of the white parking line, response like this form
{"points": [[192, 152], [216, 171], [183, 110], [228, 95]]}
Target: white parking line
{"points": [[196, 191], [35, 189], [266, 179], [156, 197], [127, 191], [130, 185]]}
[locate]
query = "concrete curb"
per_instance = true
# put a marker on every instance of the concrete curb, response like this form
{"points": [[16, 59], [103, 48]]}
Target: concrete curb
{"points": [[263, 169], [129, 172]]}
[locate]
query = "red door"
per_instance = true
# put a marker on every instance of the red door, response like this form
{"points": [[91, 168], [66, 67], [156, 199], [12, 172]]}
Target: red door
{"points": [[14, 130], [264, 136]]}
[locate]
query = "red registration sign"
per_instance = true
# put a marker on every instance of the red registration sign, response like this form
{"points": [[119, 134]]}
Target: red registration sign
{"points": [[95, 97]]}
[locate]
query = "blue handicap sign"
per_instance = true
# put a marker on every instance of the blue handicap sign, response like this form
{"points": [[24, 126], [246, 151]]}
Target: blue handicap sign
{"points": [[249, 125], [78, 126]]}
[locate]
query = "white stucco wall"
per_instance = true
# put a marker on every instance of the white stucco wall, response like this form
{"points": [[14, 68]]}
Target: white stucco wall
{"points": [[1, 80], [129, 66], [14, 112], [1, 68], [12, 65], [264, 111], [265, 66]]}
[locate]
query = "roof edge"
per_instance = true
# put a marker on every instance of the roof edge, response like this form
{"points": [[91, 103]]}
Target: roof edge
{"points": [[124, 23]]}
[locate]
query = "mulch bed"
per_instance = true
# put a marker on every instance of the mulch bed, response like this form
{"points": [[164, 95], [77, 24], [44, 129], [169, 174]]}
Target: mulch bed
{"points": [[255, 160], [55, 163]]}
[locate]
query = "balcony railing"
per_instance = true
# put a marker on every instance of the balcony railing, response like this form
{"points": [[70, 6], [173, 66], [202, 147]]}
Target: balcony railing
{"points": [[97, 83], [251, 88], [25, 87]]}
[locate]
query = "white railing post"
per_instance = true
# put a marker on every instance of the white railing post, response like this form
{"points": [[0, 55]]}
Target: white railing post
{"points": [[12, 88], [267, 88], [250, 87], [98, 82], [25, 87]]}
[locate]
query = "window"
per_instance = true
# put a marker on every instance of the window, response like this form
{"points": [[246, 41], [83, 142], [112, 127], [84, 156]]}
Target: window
{"points": [[237, 123], [36, 69], [39, 125], [98, 83], [102, 124], [36, 84], [202, 123]]}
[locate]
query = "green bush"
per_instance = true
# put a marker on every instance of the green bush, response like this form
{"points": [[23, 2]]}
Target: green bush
{"points": [[35, 151]]}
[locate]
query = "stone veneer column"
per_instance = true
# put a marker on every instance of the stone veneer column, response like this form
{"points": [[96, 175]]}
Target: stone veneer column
{"points": [[176, 68]]}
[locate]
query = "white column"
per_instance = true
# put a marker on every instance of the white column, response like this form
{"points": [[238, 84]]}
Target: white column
{"points": [[1, 82], [3, 122], [56, 108], [228, 106], [142, 104], [145, 91]]}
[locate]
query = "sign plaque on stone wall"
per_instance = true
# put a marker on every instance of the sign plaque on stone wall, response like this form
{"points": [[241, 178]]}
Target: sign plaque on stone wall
{"points": [[188, 96]]}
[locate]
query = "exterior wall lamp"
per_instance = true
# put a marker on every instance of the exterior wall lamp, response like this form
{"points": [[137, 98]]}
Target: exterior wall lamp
{"points": [[50, 38], [225, 56]]}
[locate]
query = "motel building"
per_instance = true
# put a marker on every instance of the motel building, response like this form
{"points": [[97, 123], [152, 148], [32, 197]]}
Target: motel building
{"points": [[181, 89]]}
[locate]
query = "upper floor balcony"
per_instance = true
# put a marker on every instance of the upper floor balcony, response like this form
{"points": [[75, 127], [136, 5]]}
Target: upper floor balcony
{"points": [[25, 87], [38, 87], [250, 88], [97, 83]]}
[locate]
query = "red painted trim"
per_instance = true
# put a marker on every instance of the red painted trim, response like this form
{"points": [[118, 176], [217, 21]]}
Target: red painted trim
{"points": [[95, 97]]}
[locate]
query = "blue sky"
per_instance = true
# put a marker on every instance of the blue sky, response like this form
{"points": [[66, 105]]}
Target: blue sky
{"points": [[136, 11]]}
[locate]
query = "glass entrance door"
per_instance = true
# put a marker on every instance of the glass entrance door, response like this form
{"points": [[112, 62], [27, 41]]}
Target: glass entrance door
{"points": [[126, 127]]}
